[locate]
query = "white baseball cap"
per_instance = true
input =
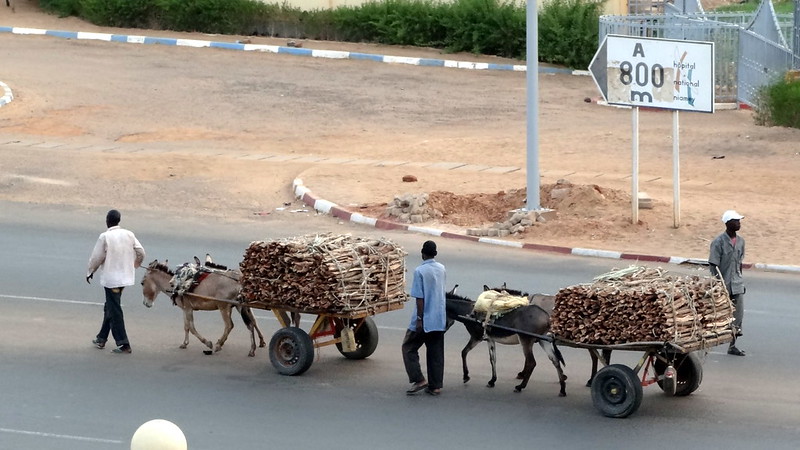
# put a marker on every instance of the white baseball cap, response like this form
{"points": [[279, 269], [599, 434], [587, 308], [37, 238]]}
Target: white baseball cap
{"points": [[731, 215]]}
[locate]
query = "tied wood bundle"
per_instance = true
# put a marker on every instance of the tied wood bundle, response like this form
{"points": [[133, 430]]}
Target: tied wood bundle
{"points": [[642, 304], [327, 273]]}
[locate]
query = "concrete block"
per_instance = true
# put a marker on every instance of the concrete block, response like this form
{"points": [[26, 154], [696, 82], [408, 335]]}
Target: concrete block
{"points": [[546, 215], [645, 202]]}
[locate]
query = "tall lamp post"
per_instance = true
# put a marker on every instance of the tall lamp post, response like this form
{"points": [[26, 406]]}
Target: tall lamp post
{"points": [[532, 99]]}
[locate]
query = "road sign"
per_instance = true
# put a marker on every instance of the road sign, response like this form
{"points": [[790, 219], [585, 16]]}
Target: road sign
{"points": [[655, 73]]}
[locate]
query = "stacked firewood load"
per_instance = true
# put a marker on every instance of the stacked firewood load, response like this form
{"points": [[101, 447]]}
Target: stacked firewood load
{"points": [[324, 273], [641, 304]]}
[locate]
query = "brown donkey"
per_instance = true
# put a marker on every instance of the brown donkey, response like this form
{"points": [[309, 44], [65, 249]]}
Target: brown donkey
{"points": [[216, 285]]}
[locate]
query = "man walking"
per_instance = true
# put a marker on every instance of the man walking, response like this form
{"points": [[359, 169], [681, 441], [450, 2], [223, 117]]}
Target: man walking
{"points": [[117, 254], [427, 324], [725, 260]]}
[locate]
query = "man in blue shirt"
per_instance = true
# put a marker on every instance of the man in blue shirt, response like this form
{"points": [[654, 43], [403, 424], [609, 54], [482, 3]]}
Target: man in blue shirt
{"points": [[428, 323]]}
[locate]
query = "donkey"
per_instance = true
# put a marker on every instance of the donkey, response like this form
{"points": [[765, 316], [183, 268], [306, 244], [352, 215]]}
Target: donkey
{"points": [[548, 303], [528, 319], [224, 286]]}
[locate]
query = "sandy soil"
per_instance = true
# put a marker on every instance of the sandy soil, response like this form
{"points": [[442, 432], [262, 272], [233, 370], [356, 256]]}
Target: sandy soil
{"points": [[197, 161]]}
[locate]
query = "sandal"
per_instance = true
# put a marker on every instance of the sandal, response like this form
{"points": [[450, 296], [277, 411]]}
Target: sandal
{"points": [[735, 351], [417, 387]]}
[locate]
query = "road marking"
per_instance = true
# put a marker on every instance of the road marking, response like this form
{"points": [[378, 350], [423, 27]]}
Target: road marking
{"points": [[61, 436], [79, 302], [52, 300]]}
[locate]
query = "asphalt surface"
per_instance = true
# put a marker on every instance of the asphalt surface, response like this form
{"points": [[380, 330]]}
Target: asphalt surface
{"points": [[60, 392]]}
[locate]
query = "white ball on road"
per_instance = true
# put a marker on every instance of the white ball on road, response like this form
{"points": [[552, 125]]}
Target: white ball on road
{"points": [[158, 434]]}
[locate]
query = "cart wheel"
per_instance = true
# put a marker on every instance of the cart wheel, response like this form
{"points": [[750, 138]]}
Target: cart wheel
{"points": [[616, 391], [291, 351], [366, 339], [689, 372]]}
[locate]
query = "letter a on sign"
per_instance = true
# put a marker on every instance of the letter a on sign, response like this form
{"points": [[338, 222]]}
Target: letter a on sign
{"points": [[638, 50]]}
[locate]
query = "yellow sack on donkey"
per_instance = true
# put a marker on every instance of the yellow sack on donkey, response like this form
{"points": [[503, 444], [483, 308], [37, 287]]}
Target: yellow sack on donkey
{"points": [[494, 302]]}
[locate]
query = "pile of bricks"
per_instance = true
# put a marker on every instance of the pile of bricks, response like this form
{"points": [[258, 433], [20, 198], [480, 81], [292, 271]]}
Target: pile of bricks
{"points": [[412, 208], [518, 221]]}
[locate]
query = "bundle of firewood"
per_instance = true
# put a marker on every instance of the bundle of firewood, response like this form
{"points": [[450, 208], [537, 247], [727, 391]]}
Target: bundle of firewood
{"points": [[642, 304], [324, 273]]}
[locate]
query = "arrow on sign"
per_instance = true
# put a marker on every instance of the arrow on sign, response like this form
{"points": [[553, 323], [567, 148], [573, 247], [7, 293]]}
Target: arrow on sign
{"points": [[599, 68]]}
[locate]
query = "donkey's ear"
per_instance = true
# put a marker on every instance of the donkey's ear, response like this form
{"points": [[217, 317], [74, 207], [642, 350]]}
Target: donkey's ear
{"points": [[153, 264], [166, 262], [486, 288], [504, 285], [208, 259], [197, 261]]}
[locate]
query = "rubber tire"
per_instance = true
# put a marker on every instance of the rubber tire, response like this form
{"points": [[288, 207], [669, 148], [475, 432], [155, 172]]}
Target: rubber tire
{"points": [[291, 351], [366, 339], [616, 391], [688, 369]]}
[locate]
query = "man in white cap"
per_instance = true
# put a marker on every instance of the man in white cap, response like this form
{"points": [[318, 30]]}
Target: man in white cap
{"points": [[725, 260]]}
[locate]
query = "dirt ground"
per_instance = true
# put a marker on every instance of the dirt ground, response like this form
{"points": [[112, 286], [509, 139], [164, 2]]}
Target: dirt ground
{"points": [[727, 162]]}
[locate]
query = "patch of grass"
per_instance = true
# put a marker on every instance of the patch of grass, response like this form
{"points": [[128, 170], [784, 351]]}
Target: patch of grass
{"points": [[781, 6], [779, 104]]}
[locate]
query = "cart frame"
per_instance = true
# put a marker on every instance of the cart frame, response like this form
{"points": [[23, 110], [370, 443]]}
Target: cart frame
{"points": [[617, 388], [291, 349]]}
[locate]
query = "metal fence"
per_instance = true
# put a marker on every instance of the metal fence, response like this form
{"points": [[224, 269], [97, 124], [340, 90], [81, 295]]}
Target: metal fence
{"points": [[761, 62], [796, 41], [726, 31]]}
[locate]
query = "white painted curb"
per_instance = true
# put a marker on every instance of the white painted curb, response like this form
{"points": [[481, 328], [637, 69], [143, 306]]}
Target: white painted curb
{"points": [[7, 95]]}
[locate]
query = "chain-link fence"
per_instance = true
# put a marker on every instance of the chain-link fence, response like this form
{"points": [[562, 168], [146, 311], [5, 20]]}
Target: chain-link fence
{"points": [[761, 62]]}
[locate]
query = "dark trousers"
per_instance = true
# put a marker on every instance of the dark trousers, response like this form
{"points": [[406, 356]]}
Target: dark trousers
{"points": [[434, 357], [113, 320]]}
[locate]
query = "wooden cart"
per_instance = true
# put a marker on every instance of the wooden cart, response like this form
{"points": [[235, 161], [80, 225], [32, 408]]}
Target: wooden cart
{"points": [[678, 371], [667, 317], [340, 279]]}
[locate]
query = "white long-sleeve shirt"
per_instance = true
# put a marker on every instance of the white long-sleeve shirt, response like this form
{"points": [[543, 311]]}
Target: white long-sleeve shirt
{"points": [[117, 254]]}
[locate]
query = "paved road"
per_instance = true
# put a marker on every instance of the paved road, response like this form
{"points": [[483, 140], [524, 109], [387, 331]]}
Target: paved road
{"points": [[60, 393]]}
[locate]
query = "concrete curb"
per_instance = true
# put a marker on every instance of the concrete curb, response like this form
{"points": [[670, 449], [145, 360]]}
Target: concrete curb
{"points": [[332, 54], [7, 95], [327, 207]]}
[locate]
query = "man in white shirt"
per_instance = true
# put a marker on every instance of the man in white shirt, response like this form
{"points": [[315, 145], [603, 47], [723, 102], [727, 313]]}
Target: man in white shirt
{"points": [[117, 254]]}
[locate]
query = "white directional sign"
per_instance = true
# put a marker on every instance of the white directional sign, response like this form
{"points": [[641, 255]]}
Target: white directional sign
{"points": [[655, 73]]}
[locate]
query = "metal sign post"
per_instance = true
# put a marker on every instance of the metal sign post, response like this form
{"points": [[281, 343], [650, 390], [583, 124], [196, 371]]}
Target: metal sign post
{"points": [[676, 170], [635, 166]]}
